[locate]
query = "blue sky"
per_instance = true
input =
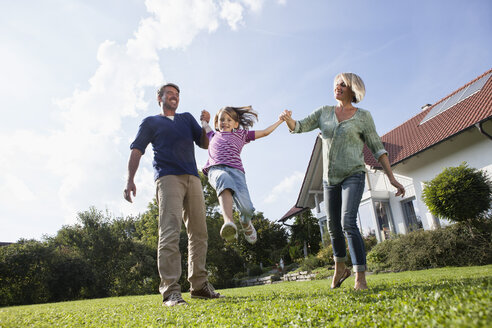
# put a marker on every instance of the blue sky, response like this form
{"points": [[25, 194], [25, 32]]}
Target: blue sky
{"points": [[78, 76]]}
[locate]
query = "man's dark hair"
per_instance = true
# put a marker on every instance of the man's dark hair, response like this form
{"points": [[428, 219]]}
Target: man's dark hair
{"points": [[160, 91]]}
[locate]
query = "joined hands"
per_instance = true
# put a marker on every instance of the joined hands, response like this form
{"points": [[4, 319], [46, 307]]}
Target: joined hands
{"points": [[205, 116]]}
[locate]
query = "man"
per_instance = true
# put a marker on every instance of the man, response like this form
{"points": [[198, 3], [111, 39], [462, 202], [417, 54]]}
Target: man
{"points": [[178, 191]]}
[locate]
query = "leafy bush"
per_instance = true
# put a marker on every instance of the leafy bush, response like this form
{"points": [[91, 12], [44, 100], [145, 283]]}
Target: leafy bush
{"points": [[291, 267], [309, 263], [458, 194], [323, 273], [35, 272], [255, 270], [455, 245], [369, 243], [23, 273], [295, 252], [325, 255]]}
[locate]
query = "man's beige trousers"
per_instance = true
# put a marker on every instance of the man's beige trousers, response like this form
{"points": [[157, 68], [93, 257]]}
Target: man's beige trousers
{"points": [[180, 199]]}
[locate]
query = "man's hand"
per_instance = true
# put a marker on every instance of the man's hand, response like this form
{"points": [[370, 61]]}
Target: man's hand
{"points": [[205, 116], [130, 188]]}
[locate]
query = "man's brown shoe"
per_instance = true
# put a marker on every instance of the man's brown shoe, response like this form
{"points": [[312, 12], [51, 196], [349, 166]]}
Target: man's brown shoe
{"points": [[174, 299], [207, 292]]}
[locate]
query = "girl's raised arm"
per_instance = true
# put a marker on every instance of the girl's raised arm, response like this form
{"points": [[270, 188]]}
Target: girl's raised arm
{"points": [[267, 131]]}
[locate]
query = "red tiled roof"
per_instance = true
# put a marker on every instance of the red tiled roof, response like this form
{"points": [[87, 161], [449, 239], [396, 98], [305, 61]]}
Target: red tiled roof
{"points": [[411, 137]]}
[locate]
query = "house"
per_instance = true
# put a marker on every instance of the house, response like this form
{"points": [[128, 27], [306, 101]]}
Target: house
{"points": [[455, 129]]}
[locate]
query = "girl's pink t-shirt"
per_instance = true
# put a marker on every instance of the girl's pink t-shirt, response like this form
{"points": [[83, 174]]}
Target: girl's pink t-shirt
{"points": [[225, 148]]}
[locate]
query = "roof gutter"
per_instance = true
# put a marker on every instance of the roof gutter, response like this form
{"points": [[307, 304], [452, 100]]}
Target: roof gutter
{"points": [[482, 131]]}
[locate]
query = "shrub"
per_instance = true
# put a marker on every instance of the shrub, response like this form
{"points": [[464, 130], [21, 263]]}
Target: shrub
{"points": [[296, 252], [458, 194], [291, 267], [455, 245], [369, 243], [255, 270], [323, 273], [325, 255], [309, 263], [24, 272], [35, 272]]}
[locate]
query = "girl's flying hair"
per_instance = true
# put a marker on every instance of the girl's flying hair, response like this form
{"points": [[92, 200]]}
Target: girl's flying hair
{"points": [[245, 116]]}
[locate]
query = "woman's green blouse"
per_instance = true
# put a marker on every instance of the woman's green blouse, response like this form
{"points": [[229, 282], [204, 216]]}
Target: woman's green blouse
{"points": [[343, 142]]}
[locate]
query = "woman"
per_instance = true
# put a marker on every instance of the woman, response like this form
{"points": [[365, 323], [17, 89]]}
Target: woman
{"points": [[344, 131]]}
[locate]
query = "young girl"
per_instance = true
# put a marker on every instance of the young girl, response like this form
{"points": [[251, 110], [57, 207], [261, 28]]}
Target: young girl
{"points": [[224, 166]]}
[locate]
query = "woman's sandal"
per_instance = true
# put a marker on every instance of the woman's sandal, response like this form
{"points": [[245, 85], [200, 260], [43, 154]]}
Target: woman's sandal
{"points": [[250, 233], [345, 275], [228, 231]]}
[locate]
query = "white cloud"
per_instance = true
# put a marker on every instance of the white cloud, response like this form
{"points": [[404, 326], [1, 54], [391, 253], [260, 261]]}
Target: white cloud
{"points": [[287, 185], [80, 163], [92, 118], [15, 188], [232, 12], [254, 5], [175, 24]]}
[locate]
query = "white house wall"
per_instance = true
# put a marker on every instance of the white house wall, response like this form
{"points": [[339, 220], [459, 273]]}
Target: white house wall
{"points": [[470, 146]]}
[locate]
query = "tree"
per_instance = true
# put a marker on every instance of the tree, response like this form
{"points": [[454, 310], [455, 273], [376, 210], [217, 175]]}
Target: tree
{"points": [[211, 200], [71, 276], [92, 239], [36, 272], [147, 225], [270, 246], [119, 263], [24, 273], [459, 194], [305, 234]]}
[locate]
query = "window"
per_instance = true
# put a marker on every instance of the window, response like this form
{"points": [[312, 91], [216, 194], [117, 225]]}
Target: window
{"points": [[384, 219], [366, 221], [412, 221]]}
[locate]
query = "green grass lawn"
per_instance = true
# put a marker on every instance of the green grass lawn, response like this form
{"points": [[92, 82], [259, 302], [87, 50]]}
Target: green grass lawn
{"points": [[448, 297]]}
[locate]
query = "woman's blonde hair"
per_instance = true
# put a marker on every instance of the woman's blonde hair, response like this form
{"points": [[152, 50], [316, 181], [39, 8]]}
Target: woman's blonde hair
{"points": [[355, 83], [245, 116]]}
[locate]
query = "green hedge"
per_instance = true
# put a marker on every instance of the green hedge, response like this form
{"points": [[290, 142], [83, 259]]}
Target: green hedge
{"points": [[455, 245]]}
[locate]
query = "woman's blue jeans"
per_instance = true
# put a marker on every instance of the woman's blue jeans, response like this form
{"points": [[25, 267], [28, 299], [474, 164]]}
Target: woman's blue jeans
{"points": [[341, 205]]}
